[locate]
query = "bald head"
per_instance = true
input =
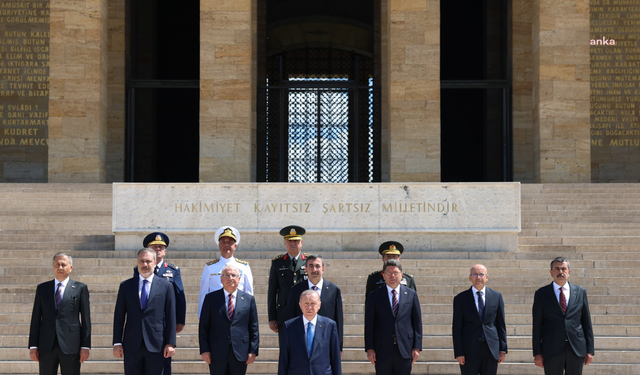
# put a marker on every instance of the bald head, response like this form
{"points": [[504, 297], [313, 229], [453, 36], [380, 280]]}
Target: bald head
{"points": [[478, 275]]}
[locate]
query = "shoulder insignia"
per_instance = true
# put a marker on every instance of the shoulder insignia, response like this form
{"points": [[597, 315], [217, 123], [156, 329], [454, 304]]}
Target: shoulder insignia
{"points": [[279, 257], [242, 261], [171, 265], [374, 273], [213, 262], [306, 254]]}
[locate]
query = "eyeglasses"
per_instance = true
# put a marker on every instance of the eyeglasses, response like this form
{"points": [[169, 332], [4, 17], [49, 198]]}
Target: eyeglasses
{"points": [[231, 275], [476, 275], [393, 273]]}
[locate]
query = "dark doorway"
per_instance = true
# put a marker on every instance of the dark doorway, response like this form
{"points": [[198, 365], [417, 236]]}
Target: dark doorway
{"points": [[476, 91], [318, 92], [162, 91]]}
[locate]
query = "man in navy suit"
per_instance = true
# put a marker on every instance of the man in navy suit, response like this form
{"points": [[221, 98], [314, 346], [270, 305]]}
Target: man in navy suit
{"points": [[228, 330], [158, 242], [309, 343], [60, 323], [393, 324], [562, 332], [479, 330], [330, 295], [147, 305]]}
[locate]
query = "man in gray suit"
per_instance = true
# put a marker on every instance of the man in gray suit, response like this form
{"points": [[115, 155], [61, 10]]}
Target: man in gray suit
{"points": [[562, 332]]}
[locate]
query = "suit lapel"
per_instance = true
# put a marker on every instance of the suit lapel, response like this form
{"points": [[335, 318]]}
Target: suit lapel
{"points": [[404, 299], [240, 304], [153, 290], [317, 335], [552, 295], [323, 294], [472, 302], [573, 295], [68, 293]]}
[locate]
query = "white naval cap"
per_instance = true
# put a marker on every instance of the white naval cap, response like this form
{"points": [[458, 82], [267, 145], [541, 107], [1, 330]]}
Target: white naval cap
{"points": [[227, 231]]}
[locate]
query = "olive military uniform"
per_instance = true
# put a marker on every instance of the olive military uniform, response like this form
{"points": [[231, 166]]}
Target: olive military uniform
{"points": [[282, 277]]}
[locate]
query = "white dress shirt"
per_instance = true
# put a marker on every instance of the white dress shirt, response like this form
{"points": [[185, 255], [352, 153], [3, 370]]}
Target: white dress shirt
{"points": [[319, 285], [565, 290]]}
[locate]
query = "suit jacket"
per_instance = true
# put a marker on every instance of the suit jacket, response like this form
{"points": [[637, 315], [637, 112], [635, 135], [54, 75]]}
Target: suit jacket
{"points": [[282, 276], [156, 324], [468, 328], [380, 325], [325, 355], [71, 324], [330, 299], [172, 274], [551, 328], [216, 331]]}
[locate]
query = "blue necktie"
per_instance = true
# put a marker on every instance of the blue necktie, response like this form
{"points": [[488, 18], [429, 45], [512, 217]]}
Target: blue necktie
{"points": [[143, 294], [309, 338]]}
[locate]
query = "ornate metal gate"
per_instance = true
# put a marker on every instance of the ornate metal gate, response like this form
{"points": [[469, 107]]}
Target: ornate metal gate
{"points": [[318, 118]]}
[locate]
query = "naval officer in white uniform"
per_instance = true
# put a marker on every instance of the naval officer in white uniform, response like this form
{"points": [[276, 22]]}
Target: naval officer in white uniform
{"points": [[228, 239]]}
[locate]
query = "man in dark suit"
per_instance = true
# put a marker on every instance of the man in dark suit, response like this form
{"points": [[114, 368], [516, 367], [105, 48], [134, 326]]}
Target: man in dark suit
{"points": [[393, 324], [286, 270], [228, 330], [159, 242], [60, 332], [147, 305], [309, 344], [388, 250], [479, 330], [330, 295], [562, 332]]}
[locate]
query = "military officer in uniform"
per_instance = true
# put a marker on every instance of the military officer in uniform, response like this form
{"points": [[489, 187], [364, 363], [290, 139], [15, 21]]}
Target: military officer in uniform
{"points": [[159, 242], [228, 239], [286, 270], [388, 250]]}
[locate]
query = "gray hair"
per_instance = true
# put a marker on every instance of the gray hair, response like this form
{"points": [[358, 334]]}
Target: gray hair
{"points": [[61, 254], [314, 257], [147, 250], [392, 263], [229, 265], [561, 260], [309, 292]]}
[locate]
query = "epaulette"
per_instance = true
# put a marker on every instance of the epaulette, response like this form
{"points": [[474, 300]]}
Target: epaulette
{"points": [[307, 254], [279, 257], [171, 265], [242, 261], [377, 272], [213, 262]]}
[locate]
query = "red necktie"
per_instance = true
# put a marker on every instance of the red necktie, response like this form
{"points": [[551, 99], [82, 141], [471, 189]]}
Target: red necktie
{"points": [[563, 302], [231, 307], [394, 302]]}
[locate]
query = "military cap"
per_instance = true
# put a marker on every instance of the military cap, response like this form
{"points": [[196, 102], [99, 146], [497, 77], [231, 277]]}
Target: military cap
{"points": [[227, 231], [156, 238], [391, 247], [292, 232]]}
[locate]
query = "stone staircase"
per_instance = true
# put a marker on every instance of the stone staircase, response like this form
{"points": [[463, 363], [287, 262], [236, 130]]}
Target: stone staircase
{"points": [[597, 227]]}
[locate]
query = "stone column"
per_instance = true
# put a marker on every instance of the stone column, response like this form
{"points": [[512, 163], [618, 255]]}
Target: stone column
{"points": [[78, 96], [411, 79], [561, 91], [226, 90]]}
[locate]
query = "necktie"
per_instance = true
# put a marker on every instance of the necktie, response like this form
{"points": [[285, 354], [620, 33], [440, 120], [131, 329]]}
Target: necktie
{"points": [[563, 302], [314, 288], [230, 307], [293, 263], [310, 338], [144, 295], [59, 296], [394, 302], [155, 271], [480, 305]]}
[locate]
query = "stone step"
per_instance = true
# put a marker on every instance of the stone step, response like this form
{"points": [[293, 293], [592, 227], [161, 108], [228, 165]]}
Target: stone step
{"points": [[271, 367]]}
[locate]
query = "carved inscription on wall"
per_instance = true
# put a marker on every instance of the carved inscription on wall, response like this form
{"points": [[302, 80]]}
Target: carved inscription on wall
{"points": [[615, 89], [24, 90]]}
